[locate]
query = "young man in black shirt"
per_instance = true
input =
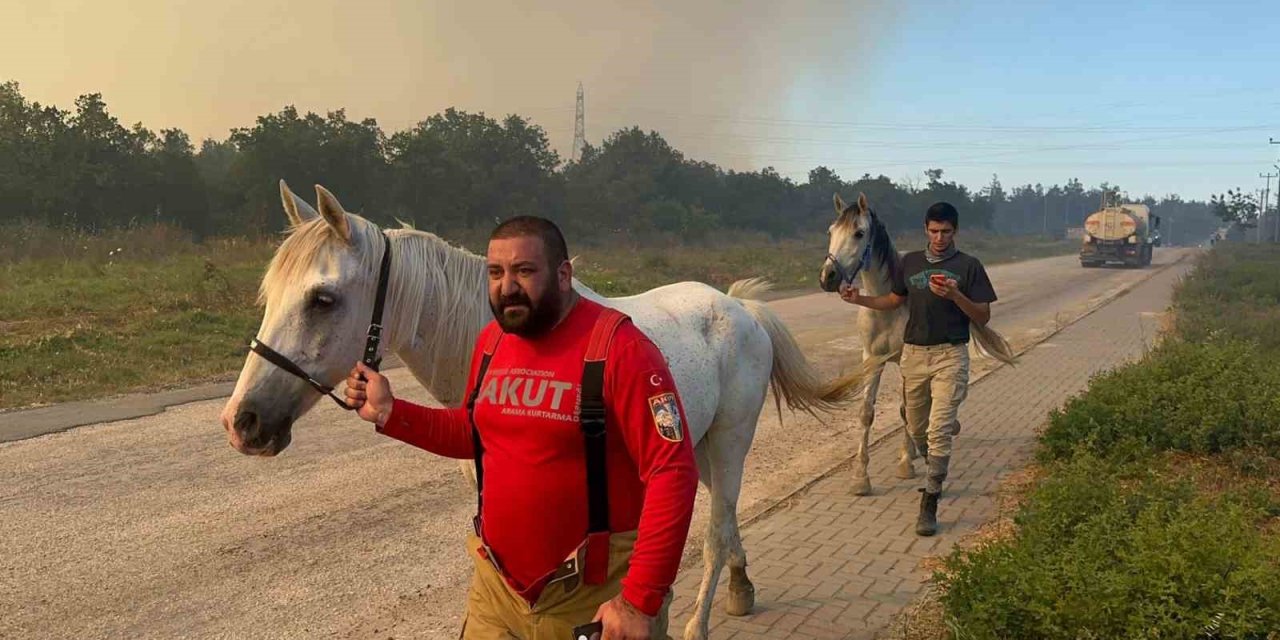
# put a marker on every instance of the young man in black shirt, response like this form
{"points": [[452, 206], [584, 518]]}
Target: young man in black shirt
{"points": [[944, 291]]}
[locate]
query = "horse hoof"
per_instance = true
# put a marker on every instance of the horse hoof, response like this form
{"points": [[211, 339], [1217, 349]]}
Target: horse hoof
{"points": [[740, 601], [693, 631], [906, 470], [862, 486]]}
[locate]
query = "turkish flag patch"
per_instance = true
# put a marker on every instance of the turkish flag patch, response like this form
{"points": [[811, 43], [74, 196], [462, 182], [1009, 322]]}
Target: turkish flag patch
{"points": [[666, 416]]}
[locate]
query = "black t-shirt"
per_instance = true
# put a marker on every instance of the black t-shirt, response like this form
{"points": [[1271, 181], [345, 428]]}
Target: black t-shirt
{"points": [[932, 319]]}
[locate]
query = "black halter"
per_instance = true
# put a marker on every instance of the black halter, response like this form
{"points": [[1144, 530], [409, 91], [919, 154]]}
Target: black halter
{"points": [[373, 339], [847, 275]]}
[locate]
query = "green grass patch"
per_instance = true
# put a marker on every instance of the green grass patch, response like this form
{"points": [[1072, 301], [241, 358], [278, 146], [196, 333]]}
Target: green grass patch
{"points": [[1128, 551], [1234, 294], [88, 316], [791, 264], [1185, 396]]}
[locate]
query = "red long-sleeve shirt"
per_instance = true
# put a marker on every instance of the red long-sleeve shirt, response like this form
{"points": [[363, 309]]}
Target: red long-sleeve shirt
{"points": [[535, 498]]}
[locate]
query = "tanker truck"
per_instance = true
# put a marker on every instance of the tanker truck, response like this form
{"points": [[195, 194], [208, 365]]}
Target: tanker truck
{"points": [[1125, 233]]}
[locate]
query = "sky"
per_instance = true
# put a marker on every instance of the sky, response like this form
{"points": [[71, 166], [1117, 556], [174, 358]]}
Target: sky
{"points": [[1156, 97]]}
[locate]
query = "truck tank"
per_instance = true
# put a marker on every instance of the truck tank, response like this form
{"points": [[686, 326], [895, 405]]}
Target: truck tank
{"points": [[1117, 234]]}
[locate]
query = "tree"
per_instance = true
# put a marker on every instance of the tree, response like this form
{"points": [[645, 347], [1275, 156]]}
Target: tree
{"points": [[938, 190], [816, 195], [1236, 207], [988, 203], [458, 170], [347, 157], [1075, 202], [761, 201], [179, 188], [611, 187]]}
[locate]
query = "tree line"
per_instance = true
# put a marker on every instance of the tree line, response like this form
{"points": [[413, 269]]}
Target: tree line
{"points": [[455, 171]]}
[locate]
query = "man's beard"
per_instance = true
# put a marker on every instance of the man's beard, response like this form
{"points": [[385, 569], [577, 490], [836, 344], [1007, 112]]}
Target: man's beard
{"points": [[518, 315]]}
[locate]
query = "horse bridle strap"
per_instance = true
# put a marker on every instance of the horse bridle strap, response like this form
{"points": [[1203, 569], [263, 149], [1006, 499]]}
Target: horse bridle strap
{"points": [[274, 357], [372, 340], [846, 277]]}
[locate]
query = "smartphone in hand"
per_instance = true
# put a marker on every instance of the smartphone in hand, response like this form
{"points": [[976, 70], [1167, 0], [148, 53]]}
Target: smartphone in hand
{"points": [[591, 631]]}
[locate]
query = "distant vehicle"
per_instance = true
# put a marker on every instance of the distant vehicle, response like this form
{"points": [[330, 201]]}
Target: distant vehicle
{"points": [[1125, 233]]}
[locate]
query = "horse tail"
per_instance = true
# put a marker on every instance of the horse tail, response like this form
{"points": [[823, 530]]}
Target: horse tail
{"points": [[793, 379], [749, 289], [989, 343]]}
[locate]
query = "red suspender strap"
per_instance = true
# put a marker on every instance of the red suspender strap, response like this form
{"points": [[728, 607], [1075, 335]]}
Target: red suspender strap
{"points": [[490, 347], [602, 335], [592, 419]]}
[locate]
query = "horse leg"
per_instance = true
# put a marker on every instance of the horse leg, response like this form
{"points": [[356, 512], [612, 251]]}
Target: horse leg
{"points": [[866, 418], [468, 467], [700, 622], [720, 462], [906, 464], [742, 594]]}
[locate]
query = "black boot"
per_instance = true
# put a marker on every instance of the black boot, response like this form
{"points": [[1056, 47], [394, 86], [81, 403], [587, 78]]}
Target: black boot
{"points": [[927, 523]]}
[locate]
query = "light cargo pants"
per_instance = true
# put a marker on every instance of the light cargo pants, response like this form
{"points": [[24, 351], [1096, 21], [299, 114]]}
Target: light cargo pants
{"points": [[496, 612], [935, 381]]}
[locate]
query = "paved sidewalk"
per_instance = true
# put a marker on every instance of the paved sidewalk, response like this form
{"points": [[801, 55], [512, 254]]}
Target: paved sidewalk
{"points": [[833, 565]]}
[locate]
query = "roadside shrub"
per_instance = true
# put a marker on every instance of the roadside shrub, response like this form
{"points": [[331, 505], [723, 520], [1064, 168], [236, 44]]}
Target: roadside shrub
{"points": [[1199, 398], [1120, 540], [1118, 552], [1233, 294]]}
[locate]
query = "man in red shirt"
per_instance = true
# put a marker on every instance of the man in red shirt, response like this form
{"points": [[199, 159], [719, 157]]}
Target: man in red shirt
{"points": [[534, 559]]}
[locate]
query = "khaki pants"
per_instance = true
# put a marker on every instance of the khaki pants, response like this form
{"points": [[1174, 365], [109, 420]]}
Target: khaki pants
{"points": [[496, 612], [935, 381]]}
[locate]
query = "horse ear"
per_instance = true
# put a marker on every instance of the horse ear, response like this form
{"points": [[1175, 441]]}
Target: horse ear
{"points": [[333, 213], [862, 203], [295, 208], [839, 202]]}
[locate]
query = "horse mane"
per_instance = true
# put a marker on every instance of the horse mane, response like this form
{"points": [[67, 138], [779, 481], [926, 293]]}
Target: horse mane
{"points": [[882, 249], [422, 263], [306, 243]]}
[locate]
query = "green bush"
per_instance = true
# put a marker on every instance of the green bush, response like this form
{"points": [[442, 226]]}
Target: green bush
{"points": [[1234, 294], [1116, 541], [1214, 386], [1117, 552], [1199, 398]]}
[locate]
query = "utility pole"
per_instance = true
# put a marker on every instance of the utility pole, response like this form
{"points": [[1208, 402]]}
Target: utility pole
{"points": [[1258, 223], [1044, 197], [1066, 211], [1266, 196], [579, 128], [1276, 235]]}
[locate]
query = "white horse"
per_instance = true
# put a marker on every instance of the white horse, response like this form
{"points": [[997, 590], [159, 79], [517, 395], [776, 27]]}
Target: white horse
{"points": [[724, 350], [861, 247]]}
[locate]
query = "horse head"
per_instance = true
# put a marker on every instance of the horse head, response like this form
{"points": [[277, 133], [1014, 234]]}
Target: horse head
{"points": [[317, 294], [858, 242]]}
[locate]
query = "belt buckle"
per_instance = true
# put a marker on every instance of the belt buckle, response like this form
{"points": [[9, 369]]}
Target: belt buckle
{"points": [[491, 557], [487, 552], [569, 571]]}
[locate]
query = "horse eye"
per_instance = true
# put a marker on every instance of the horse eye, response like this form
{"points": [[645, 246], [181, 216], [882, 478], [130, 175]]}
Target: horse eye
{"points": [[322, 300], [859, 234]]}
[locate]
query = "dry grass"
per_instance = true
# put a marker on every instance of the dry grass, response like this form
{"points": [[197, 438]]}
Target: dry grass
{"points": [[89, 316]]}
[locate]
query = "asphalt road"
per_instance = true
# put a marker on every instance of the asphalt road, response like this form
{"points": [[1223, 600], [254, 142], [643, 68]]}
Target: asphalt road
{"points": [[154, 527]]}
